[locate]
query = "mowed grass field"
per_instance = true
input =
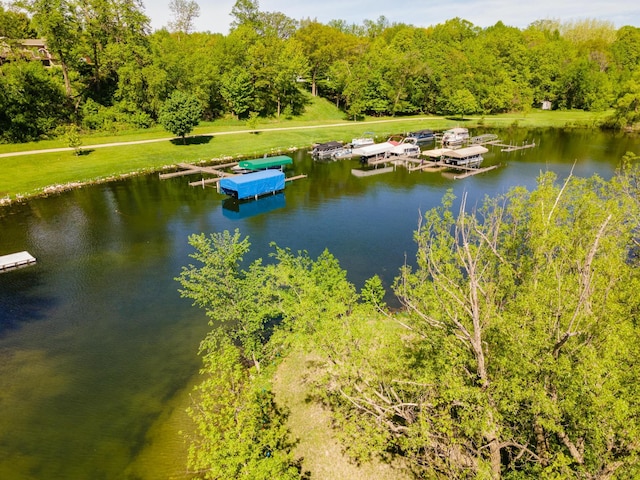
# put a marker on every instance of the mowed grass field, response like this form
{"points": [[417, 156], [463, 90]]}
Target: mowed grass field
{"points": [[32, 170]]}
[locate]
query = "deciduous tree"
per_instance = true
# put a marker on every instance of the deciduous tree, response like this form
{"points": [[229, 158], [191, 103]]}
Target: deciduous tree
{"points": [[180, 113], [184, 13]]}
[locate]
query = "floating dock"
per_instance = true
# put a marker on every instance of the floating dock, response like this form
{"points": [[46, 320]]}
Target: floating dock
{"points": [[513, 148], [16, 260]]}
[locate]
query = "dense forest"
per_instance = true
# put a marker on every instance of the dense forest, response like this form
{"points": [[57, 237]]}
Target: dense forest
{"points": [[101, 68]]}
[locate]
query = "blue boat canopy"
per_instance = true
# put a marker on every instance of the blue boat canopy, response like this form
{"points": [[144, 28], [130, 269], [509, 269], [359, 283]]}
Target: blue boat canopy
{"points": [[253, 185]]}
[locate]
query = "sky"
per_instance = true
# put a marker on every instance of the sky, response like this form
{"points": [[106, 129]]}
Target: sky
{"points": [[215, 14]]}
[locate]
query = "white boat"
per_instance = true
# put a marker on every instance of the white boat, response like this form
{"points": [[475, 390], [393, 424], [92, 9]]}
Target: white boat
{"points": [[408, 147], [455, 136], [375, 151], [465, 157], [366, 139]]}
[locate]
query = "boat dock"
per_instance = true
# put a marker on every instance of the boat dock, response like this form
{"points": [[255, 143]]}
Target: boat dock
{"points": [[16, 260], [435, 163], [190, 169], [512, 147], [472, 171]]}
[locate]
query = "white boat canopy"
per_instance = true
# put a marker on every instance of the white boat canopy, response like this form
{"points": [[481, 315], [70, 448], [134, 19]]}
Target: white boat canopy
{"points": [[466, 152]]}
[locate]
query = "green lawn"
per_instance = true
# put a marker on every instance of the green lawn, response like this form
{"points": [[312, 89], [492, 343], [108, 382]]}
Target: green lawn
{"points": [[31, 174]]}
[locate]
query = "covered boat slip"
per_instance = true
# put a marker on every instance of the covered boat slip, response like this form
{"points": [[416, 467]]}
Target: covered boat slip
{"points": [[460, 156], [252, 185], [466, 159], [465, 156], [267, 162]]}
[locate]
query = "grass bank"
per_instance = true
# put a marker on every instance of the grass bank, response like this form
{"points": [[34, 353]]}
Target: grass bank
{"points": [[35, 169]]}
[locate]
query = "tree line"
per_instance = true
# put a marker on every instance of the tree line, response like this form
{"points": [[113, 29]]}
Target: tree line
{"points": [[111, 72], [514, 355]]}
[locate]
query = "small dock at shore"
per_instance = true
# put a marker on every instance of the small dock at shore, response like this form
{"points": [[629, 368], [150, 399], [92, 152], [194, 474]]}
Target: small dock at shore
{"points": [[513, 148], [504, 147], [16, 260], [190, 169]]}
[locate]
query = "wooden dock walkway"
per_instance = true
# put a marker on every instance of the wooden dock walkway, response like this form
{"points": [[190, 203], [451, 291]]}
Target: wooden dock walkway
{"points": [[474, 171], [190, 169], [16, 260], [421, 164], [512, 147], [297, 177]]}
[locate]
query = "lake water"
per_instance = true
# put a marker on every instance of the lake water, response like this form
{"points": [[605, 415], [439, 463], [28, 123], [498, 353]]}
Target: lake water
{"points": [[97, 350]]}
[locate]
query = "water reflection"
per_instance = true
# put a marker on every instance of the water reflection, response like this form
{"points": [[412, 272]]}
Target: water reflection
{"points": [[237, 209]]}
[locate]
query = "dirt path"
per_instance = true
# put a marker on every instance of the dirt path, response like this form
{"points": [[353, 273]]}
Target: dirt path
{"points": [[310, 424]]}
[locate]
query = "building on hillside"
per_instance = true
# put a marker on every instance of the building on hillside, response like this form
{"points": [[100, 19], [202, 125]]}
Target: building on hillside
{"points": [[30, 49]]}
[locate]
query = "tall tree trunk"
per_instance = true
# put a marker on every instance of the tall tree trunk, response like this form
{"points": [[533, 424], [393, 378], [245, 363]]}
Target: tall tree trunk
{"points": [[314, 90], [541, 444], [65, 74]]}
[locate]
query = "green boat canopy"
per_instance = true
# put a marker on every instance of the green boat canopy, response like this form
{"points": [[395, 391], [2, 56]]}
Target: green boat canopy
{"points": [[267, 162]]}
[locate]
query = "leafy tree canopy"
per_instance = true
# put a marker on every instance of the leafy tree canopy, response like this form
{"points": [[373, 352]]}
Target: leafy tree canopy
{"points": [[180, 113]]}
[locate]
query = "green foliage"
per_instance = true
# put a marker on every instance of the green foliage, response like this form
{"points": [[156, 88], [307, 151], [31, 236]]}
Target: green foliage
{"points": [[72, 137], [114, 118], [236, 300], [516, 352], [268, 60], [308, 291], [529, 295], [237, 90], [14, 25], [180, 113], [627, 110], [462, 102], [32, 102], [373, 292], [241, 432], [252, 121]]}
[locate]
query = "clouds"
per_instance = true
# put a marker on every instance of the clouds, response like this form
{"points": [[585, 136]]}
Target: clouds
{"points": [[215, 15]]}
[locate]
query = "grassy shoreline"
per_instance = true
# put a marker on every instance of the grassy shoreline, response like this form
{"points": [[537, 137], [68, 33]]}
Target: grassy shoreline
{"points": [[26, 174]]}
